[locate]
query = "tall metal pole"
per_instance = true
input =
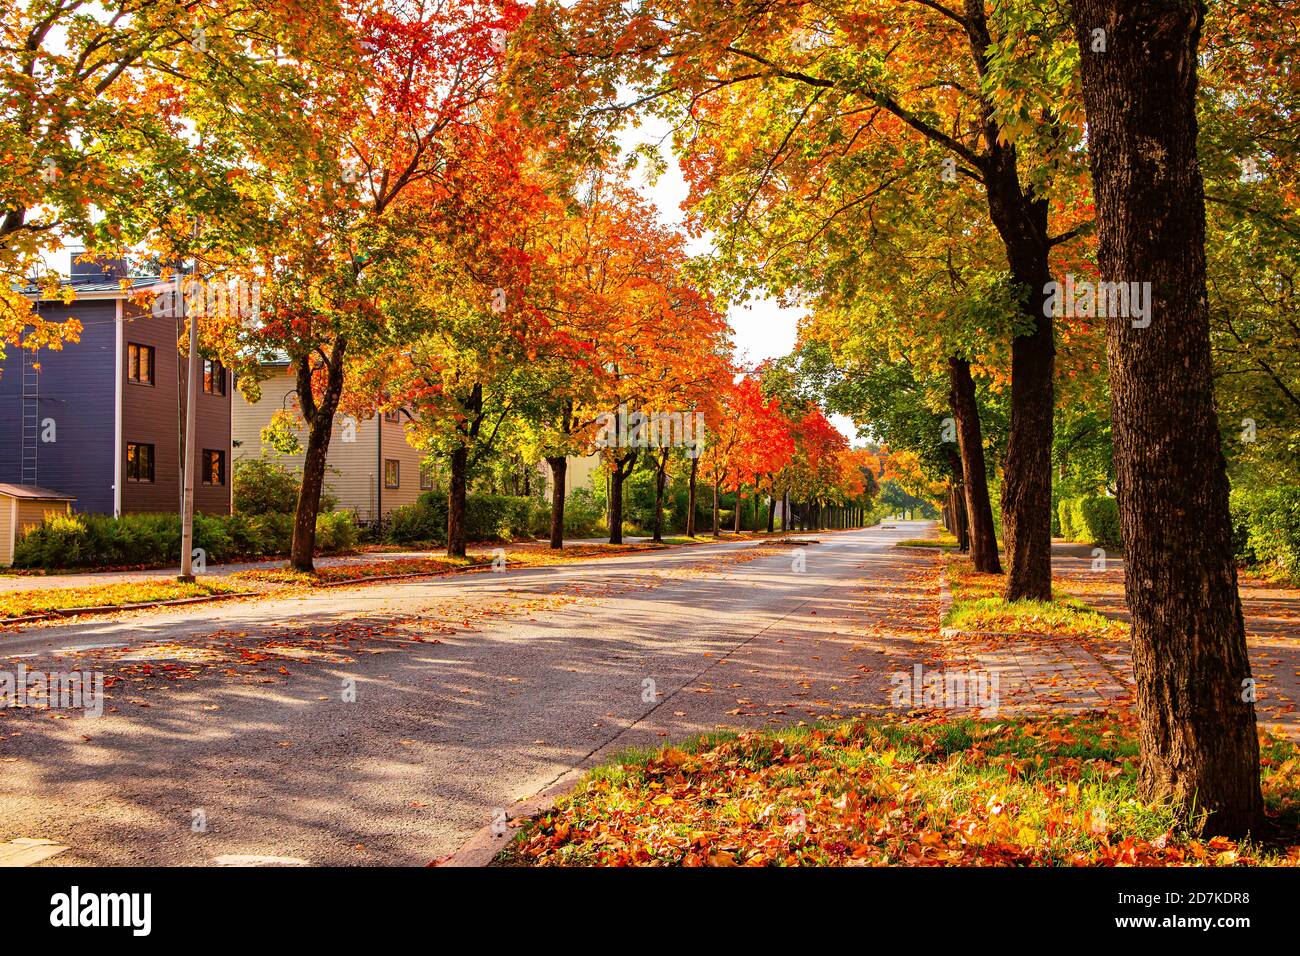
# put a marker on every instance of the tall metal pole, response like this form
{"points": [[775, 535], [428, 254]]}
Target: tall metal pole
{"points": [[191, 408]]}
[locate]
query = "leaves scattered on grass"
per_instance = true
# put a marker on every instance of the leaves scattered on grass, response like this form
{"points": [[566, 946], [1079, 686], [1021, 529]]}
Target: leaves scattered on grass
{"points": [[978, 605], [945, 541], [1063, 617], [1036, 791], [357, 571], [22, 603]]}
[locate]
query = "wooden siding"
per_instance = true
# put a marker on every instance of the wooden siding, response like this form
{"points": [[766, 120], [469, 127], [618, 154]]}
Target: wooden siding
{"points": [[8, 523], [75, 387], [352, 470], [17, 515], [32, 512], [398, 448], [153, 415]]}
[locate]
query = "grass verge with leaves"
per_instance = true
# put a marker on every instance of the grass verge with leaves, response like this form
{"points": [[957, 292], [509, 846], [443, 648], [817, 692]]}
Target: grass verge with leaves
{"points": [[978, 606], [24, 603], [1045, 791]]}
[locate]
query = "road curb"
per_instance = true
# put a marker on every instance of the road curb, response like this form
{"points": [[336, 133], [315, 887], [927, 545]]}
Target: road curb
{"points": [[482, 848]]}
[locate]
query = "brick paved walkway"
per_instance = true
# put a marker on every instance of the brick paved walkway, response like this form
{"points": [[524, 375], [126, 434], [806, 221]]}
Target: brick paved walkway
{"points": [[1038, 673]]}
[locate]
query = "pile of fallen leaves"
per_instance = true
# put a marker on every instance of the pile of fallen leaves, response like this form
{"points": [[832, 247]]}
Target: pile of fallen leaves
{"points": [[1042, 791]]}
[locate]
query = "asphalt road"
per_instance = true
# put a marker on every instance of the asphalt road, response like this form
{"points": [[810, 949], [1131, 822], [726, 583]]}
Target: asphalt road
{"points": [[471, 692]]}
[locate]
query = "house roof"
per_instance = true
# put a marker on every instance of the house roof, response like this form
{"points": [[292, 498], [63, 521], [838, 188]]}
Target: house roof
{"points": [[109, 287], [33, 491]]}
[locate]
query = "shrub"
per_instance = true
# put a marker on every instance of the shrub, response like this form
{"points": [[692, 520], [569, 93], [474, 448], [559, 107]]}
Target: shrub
{"points": [[1266, 527], [584, 515], [1065, 511], [1093, 519], [259, 534], [88, 540], [422, 522], [263, 486], [336, 531], [211, 535], [499, 517], [487, 518]]}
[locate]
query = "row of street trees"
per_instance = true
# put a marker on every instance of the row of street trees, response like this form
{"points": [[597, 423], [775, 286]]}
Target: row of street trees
{"points": [[930, 178], [428, 195]]}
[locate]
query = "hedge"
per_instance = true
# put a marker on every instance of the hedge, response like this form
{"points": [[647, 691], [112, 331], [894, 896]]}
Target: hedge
{"points": [[487, 518], [1093, 520], [100, 541], [1266, 528]]}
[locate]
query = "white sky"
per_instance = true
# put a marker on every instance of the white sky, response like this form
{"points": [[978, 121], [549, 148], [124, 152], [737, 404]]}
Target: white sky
{"points": [[761, 328]]}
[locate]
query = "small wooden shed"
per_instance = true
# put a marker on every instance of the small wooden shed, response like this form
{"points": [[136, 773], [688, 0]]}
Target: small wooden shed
{"points": [[21, 507]]}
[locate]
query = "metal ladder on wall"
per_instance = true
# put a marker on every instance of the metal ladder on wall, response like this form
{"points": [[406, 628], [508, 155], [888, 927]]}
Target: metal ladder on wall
{"points": [[31, 416]]}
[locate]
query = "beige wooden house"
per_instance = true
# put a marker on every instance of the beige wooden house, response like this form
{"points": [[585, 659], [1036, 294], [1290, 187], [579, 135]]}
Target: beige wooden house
{"points": [[372, 467]]}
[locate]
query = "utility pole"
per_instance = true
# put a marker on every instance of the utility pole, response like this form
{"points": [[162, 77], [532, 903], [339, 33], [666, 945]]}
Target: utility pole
{"points": [[187, 463]]}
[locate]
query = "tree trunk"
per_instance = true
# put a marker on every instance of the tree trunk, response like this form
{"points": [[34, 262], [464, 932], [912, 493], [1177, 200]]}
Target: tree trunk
{"points": [[785, 512], [661, 475], [622, 468], [456, 502], [559, 469], [1021, 219], [739, 504], [960, 519], [472, 405], [970, 442], [320, 426], [771, 514], [303, 545], [1197, 738], [690, 499]]}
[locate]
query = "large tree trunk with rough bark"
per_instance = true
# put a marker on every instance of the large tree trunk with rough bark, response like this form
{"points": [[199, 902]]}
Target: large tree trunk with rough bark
{"points": [[975, 483], [559, 466], [319, 417], [1197, 722]]}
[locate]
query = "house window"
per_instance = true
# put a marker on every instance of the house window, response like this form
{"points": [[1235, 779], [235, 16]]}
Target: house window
{"points": [[139, 462], [426, 478], [214, 467], [394, 417], [392, 473], [214, 377], [139, 367]]}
